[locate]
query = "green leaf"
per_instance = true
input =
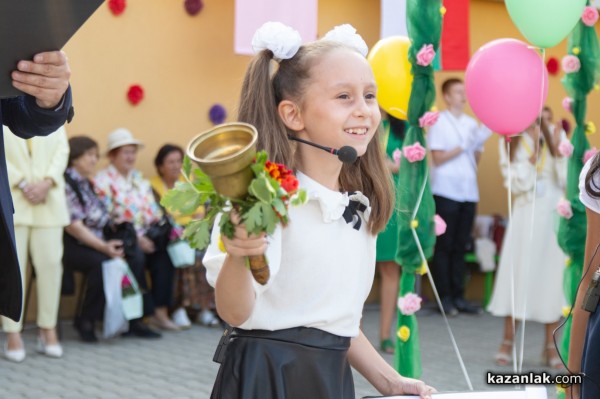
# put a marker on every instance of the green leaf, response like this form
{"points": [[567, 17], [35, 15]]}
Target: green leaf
{"points": [[202, 182], [299, 198], [280, 206], [262, 189], [253, 219], [270, 219], [197, 232], [183, 198], [187, 166], [226, 226]]}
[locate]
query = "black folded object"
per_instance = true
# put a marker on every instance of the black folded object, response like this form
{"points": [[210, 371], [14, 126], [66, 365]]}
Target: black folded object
{"points": [[28, 27]]}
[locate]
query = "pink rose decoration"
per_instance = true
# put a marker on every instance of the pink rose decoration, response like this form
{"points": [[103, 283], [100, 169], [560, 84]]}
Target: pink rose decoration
{"points": [[429, 119], [414, 152], [589, 154], [571, 64], [564, 209], [397, 156], [440, 225], [426, 55], [566, 104], [565, 148], [589, 16], [409, 303]]}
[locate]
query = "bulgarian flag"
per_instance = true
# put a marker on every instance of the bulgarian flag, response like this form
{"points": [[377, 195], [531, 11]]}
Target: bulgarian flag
{"points": [[454, 48]]}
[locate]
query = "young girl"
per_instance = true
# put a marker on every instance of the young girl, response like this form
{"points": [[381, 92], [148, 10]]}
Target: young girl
{"points": [[297, 336], [532, 262]]}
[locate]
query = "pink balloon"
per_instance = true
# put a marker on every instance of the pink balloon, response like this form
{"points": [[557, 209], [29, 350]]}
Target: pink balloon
{"points": [[507, 85]]}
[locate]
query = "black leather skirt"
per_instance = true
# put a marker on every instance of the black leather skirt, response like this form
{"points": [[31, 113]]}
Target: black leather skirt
{"points": [[292, 363]]}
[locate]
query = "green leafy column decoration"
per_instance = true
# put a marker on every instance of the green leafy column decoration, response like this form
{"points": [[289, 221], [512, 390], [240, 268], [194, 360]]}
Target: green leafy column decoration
{"points": [[583, 51], [424, 20]]}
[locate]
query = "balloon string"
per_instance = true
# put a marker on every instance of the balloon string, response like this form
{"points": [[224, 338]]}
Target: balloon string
{"points": [[512, 258], [537, 148], [433, 287]]}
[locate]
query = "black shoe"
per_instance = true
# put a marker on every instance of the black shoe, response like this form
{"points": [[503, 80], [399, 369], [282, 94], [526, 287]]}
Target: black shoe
{"points": [[448, 306], [140, 330], [465, 306], [85, 328]]}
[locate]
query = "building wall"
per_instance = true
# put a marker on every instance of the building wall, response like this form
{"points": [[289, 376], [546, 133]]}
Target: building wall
{"points": [[186, 64]]}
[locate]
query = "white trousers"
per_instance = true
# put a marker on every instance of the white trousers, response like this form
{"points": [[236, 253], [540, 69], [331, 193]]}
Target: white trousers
{"points": [[45, 246]]}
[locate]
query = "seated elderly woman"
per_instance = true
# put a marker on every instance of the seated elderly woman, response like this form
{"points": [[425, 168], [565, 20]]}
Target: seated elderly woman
{"points": [[128, 197], [85, 247]]}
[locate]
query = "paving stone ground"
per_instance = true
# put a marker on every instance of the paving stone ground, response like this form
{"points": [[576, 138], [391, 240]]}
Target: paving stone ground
{"points": [[179, 365]]}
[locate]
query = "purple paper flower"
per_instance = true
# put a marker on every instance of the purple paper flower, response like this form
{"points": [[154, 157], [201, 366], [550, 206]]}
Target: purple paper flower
{"points": [[217, 114]]}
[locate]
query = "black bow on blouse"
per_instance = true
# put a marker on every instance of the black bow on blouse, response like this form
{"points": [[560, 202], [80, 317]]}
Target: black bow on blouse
{"points": [[352, 210]]}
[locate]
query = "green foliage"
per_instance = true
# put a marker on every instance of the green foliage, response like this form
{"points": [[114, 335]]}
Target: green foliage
{"points": [[265, 206]]}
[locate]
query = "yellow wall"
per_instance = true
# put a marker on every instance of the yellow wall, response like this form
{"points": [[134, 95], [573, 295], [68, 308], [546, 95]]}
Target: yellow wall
{"points": [[186, 64]]}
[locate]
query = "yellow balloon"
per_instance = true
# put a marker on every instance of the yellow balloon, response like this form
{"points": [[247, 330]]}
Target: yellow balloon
{"points": [[389, 61]]}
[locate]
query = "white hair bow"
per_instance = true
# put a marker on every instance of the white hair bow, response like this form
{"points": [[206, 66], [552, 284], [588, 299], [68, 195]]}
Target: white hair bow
{"points": [[281, 39], [347, 35]]}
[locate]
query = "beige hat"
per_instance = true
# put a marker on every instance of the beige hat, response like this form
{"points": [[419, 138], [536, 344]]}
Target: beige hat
{"points": [[120, 137]]}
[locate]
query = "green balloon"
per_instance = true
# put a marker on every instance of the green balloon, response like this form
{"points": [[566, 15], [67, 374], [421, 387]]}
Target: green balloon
{"points": [[545, 23]]}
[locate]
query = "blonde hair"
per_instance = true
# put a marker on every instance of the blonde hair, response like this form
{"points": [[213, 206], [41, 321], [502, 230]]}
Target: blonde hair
{"points": [[262, 93]]}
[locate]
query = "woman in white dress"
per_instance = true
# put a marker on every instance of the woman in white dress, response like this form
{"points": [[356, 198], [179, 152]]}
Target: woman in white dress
{"points": [[532, 260]]}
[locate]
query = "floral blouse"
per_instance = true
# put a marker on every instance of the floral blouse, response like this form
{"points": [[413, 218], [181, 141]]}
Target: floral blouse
{"points": [[128, 198], [89, 209]]}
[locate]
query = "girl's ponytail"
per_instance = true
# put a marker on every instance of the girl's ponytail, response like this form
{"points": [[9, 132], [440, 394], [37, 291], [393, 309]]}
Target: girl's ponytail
{"points": [[258, 106]]}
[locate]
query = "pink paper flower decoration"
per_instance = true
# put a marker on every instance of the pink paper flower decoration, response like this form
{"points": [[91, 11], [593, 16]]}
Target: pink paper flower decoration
{"points": [[409, 303], [589, 16], [426, 55], [565, 148], [414, 153], [397, 156], [564, 209], [571, 64], [429, 119], [440, 225], [566, 104], [589, 154]]}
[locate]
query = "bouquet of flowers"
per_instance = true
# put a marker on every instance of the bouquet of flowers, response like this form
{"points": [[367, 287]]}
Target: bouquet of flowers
{"points": [[272, 190]]}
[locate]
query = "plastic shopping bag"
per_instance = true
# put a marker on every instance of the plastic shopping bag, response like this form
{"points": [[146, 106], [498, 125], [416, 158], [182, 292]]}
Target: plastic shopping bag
{"points": [[114, 319], [181, 253]]}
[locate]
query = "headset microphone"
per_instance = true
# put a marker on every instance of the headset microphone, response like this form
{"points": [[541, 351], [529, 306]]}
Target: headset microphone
{"points": [[345, 154]]}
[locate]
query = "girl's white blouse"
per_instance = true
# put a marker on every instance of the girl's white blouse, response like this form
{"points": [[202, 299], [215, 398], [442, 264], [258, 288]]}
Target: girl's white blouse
{"points": [[321, 267]]}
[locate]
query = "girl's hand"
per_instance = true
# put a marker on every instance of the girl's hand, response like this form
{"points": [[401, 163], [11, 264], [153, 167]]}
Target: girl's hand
{"points": [[415, 387], [242, 244]]}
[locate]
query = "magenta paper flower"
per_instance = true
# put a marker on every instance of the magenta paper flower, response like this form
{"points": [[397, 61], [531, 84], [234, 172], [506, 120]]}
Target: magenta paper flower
{"points": [[566, 104], [440, 225], [426, 55], [570, 64], [125, 282], [397, 156], [565, 148], [414, 152], [589, 154], [409, 303], [589, 16], [564, 209], [429, 119]]}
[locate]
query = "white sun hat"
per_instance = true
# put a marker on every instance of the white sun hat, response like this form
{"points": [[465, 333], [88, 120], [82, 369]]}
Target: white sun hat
{"points": [[120, 137]]}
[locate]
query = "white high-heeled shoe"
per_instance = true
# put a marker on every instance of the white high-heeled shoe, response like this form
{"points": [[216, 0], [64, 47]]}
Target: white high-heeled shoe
{"points": [[55, 351], [14, 355]]}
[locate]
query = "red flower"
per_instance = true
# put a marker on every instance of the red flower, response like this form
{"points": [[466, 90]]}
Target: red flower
{"points": [[135, 94], [552, 66], [125, 282], [290, 183], [117, 6]]}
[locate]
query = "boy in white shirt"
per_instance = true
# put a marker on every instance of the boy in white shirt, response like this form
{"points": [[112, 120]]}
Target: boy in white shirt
{"points": [[456, 142]]}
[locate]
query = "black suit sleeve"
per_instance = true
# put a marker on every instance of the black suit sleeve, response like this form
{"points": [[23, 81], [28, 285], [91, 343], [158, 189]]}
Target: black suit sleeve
{"points": [[26, 119]]}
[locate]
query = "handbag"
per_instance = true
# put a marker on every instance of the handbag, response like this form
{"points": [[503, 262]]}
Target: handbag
{"points": [[160, 232], [122, 231]]}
